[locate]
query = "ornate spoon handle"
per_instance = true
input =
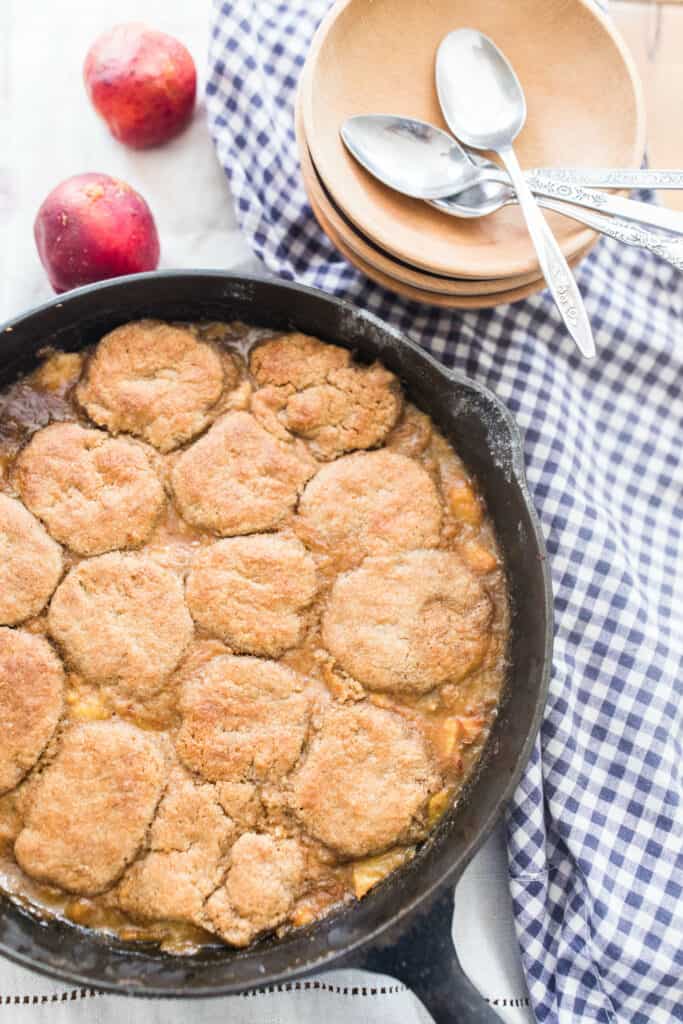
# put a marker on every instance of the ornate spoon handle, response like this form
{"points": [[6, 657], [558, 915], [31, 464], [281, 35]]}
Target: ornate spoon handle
{"points": [[624, 231], [557, 273], [603, 202], [669, 249], [590, 177]]}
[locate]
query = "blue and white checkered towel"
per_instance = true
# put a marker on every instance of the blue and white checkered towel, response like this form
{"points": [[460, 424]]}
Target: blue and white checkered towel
{"points": [[594, 832]]}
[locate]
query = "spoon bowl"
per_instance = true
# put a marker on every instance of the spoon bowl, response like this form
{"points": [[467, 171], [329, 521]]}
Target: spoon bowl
{"points": [[412, 156], [422, 161], [479, 200], [498, 113]]}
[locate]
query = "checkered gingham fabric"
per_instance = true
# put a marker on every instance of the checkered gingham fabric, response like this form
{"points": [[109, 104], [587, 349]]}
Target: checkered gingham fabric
{"points": [[594, 830]]}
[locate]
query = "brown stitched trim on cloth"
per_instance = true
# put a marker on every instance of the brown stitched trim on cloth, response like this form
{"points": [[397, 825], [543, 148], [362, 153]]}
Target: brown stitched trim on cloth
{"points": [[361, 990], [292, 986], [56, 997], [502, 1001], [342, 990]]}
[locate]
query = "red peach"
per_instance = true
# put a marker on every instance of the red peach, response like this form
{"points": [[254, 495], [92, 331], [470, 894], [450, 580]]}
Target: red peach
{"points": [[142, 82], [91, 227]]}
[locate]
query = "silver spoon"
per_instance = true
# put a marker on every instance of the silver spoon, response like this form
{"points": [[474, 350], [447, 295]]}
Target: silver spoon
{"points": [[423, 161], [427, 163], [484, 107], [372, 139]]}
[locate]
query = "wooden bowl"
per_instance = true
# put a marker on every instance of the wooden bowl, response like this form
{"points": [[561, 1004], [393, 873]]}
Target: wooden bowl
{"points": [[584, 102], [375, 257], [420, 294]]}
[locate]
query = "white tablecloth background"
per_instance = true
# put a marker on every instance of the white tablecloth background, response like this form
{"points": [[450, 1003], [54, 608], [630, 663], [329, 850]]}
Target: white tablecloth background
{"points": [[48, 131]]}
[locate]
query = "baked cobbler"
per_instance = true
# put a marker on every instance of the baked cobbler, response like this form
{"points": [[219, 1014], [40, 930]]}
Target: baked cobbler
{"points": [[253, 632]]}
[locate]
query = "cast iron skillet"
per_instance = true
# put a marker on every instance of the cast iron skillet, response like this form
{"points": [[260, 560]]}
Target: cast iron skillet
{"points": [[403, 927]]}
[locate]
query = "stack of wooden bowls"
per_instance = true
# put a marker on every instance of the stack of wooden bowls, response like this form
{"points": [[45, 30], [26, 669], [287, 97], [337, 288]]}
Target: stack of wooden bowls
{"points": [[377, 56]]}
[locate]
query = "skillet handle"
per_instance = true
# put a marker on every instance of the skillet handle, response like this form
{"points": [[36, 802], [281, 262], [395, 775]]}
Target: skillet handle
{"points": [[423, 957]]}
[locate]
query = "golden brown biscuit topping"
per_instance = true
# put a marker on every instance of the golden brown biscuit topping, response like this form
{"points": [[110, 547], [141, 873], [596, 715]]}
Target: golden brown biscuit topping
{"points": [[31, 702], [92, 806], [238, 479], [408, 623], [243, 719], [315, 391], [121, 621], [262, 883], [370, 503], [365, 779], [95, 493], [190, 836], [250, 591], [30, 563], [154, 380]]}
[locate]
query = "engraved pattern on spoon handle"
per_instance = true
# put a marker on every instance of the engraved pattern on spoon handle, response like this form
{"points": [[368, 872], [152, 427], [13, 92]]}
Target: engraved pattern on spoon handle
{"points": [[623, 231], [672, 252], [618, 206], [559, 277], [609, 177]]}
